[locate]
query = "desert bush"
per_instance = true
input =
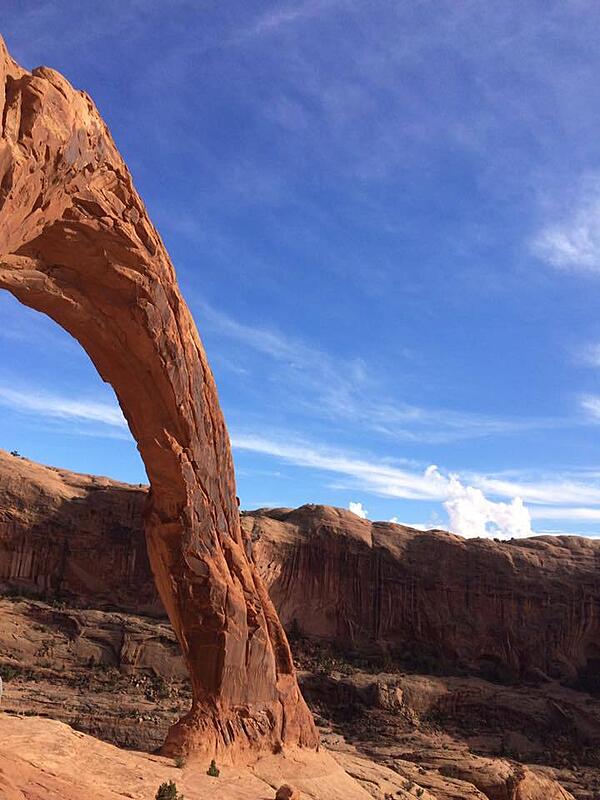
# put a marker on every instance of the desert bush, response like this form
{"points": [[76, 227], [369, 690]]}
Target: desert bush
{"points": [[168, 791], [213, 770], [9, 673]]}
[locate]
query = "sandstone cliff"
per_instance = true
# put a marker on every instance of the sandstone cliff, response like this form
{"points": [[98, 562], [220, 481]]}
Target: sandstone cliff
{"points": [[72, 536], [504, 610]]}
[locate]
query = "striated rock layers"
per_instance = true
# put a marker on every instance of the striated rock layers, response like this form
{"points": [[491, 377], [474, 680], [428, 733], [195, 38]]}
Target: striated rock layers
{"points": [[76, 243], [501, 609], [506, 610], [79, 538]]}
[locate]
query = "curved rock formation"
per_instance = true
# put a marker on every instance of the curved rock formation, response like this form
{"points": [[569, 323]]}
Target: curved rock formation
{"points": [[76, 243]]}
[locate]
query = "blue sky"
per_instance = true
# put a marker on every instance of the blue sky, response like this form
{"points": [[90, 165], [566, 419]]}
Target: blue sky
{"points": [[385, 217]]}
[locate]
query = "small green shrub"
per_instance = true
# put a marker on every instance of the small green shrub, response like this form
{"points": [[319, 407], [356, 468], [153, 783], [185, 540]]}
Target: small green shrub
{"points": [[179, 762], [9, 673], [420, 792], [168, 791], [213, 770]]}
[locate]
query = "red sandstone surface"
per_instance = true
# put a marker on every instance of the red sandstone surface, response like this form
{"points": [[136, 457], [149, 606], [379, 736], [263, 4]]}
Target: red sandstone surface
{"points": [[85, 656], [523, 609], [76, 243]]}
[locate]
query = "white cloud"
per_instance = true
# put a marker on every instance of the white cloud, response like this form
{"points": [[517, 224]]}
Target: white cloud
{"points": [[476, 505], [358, 509], [590, 403], [471, 513], [394, 520], [379, 477], [562, 489], [572, 243], [590, 355], [565, 513], [273, 20], [54, 406]]}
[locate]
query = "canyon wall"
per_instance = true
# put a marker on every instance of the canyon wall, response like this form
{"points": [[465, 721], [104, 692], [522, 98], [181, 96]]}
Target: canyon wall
{"points": [[506, 610]]}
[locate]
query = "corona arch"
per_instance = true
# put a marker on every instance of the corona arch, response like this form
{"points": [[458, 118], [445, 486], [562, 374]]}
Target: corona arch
{"points": [[76, 244]]}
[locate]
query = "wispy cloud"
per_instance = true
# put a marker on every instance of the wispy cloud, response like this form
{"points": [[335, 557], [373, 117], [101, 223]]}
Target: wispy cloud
{"points": [[54, 406], [565, 513], [564, 488], [281, 17], [379, 477], [466, 497], [590, 404], [588, 355], [571, 242], [346, 390]]}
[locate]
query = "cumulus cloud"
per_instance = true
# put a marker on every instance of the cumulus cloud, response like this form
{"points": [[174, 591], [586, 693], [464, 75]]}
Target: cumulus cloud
{"points": [[471, 513], [358, 509]]}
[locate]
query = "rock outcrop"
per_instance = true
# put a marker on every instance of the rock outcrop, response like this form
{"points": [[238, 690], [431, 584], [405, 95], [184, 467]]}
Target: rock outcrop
{"points": [[518, 610], [75, 537], [120, 678], [507, 610], [76, 243]]}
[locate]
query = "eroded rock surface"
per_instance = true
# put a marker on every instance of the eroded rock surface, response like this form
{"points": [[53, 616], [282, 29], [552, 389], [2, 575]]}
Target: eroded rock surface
{"points": [[120, 678], [76, 243], [520, 610]]}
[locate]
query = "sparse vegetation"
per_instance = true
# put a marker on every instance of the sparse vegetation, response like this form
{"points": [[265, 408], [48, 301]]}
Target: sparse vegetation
{"points": [[180, 762], [420, 792], [10, 672], [168, 791], [213, 770]]}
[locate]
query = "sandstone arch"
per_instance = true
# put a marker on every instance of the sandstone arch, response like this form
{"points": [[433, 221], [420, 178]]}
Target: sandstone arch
{"points": [[76, 243]]}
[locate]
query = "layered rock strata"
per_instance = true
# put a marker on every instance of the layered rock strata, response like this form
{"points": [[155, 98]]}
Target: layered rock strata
{"points": [[508, 611]]}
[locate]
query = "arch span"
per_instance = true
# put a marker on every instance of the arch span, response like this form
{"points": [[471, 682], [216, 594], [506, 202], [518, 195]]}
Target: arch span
{"points": [[76, 243]]}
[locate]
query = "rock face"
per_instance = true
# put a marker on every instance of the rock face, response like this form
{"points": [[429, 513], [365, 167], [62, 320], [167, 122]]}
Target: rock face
{"points": [[503, 610], [121, 678], [506, 610], [76, 243], [74, 537]]}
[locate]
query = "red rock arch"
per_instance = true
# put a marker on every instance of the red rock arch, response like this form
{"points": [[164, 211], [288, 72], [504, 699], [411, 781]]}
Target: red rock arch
{"points": [[76, 243]]}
